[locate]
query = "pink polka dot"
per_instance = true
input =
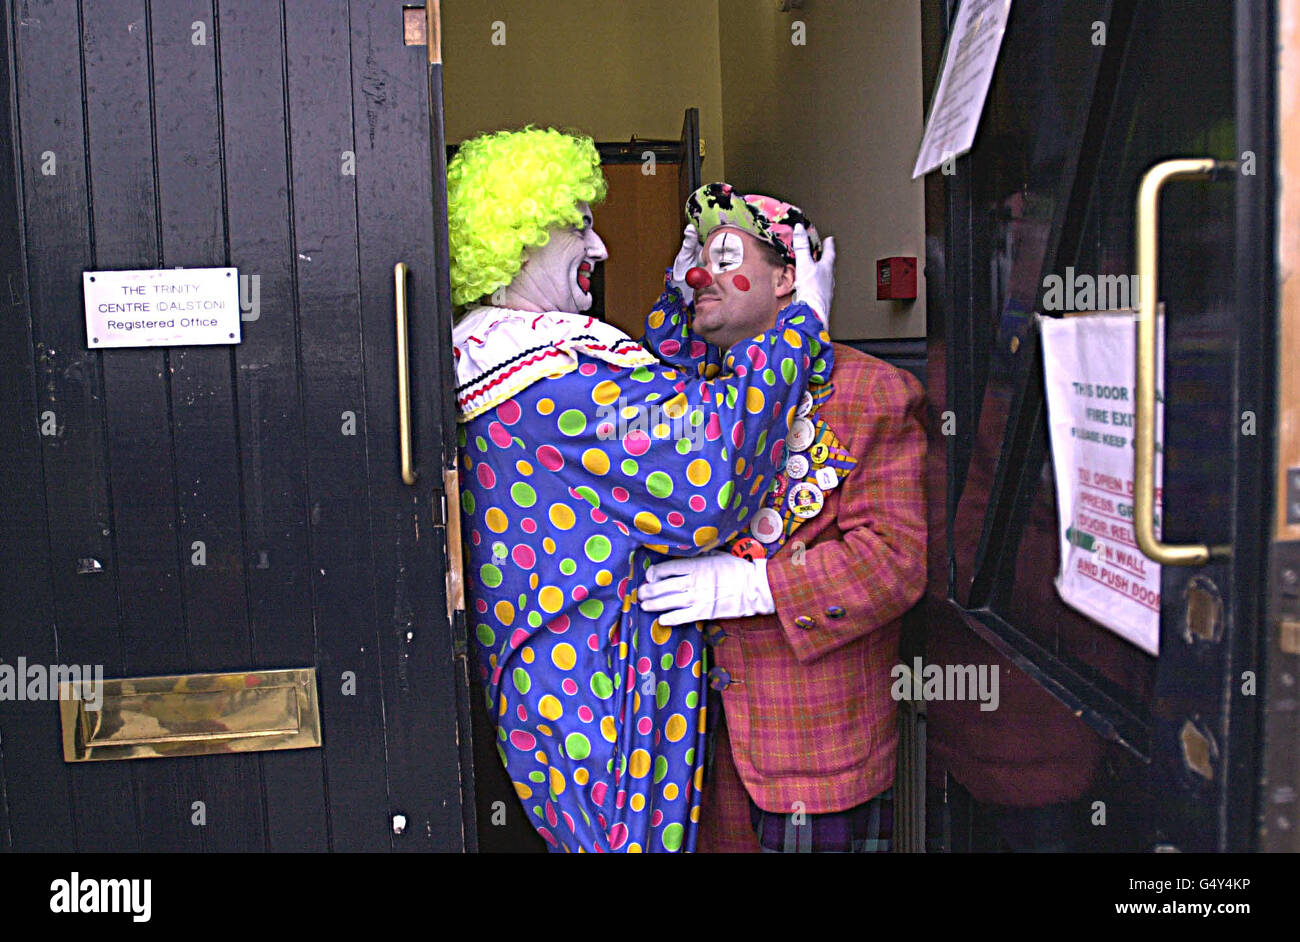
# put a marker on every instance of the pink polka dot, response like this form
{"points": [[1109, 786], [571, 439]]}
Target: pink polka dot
{"points": [[593, 642], [657, 818], [570, 686], [558, 625], [587, 369], [757, 356], [618, 833], [643, 666], [550, 814], [622, 527], [738, 434], [500, 437], [637, 443], [522, 740], [697, 503], [605, 430], [523, 556], [713, 428], [622, 587], [598, 792], [521, 713], [777, 448], [518, 637], [529, 525], [698, 349], [508, 412], [741, 369], [670, 347], [675, 519], [480, 606], [619, 800], [579, 593], [643, 726], [475, 537], [685, 651], [485, 475], [550, 458], [598, 516], [569, 821], [585, 714], [549, 839], [620, 494]]}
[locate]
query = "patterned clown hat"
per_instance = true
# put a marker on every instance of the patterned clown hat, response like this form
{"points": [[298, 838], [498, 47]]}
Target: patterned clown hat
{"points": [[764, 217]]}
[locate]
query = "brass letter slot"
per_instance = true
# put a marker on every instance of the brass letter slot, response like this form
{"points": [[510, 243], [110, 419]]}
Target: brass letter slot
{"points": [[189, 715]]}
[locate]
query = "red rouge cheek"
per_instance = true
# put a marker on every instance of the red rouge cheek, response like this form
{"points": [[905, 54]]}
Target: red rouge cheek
{"points": [[741, 282]]}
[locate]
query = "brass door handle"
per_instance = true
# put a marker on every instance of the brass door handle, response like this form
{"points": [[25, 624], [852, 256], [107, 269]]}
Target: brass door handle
{"points": [[1144, 449], [403, 377], [455, 551]]}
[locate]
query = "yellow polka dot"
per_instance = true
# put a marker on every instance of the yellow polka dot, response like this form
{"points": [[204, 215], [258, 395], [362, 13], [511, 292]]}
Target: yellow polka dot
{"points": [[562, 517], [548, 544], [505, 613], [645, 521], [607, 728], [659, 634], [496, 520], [605, 392], [469, 463], [550, 708], [622, 650], [656, 318], [676, 728], [792, 338], [699, 778], [695, 814], [669, 374], [698, 472], [550, 599], [638, 802], [639, 764], [595, 461], [634, 848], [670, 791], [528, 655], [522, 790], [545, 406], [580, 775], [657, 547], [695, 669], [557, 781], [604, 577], [524, 467], [675, 407], [740, 466], [630, 412], [661, 430], [532, 581], [541, 757], [699, 726], [706, 535], [564, 657], [754, 400], [544, 730], [502, 708]]}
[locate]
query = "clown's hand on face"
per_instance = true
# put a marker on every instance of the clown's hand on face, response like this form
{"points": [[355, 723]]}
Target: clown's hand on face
{"points": [[687, 258]]}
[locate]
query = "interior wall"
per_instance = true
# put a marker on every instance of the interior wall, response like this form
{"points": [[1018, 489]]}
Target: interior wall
{"points": [[610, 68], [833, 125]]}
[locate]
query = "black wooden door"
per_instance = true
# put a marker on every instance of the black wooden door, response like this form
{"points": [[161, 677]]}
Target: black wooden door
{"points": [[1097, 744], [172, 510]]}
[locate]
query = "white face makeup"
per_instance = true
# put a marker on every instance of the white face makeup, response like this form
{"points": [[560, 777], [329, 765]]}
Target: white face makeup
{"points": [[726, 252], [557, 276]]}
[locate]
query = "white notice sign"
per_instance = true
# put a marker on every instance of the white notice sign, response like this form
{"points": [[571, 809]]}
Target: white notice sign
{"points": [[161, 307], [1089, 375], [968, 60]]}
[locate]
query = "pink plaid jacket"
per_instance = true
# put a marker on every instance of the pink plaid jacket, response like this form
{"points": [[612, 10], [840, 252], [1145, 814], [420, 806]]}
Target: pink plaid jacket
{"points": [[809, 712]]}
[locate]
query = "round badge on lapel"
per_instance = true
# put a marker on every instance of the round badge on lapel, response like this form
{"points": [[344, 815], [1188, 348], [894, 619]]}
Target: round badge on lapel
{"points": [[805, 404], [801, 435], [805, 500], [766, 525], [796, 468], [748, 548], [819, 453], [827, 478]]}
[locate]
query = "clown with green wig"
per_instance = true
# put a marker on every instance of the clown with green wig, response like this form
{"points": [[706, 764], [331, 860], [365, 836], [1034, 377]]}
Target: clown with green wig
{"points": [[585, 460]]}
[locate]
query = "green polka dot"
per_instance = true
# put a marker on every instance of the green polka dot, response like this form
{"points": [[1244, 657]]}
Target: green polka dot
{"points": [[732, 394], [661, 768], [724, 494], [502, 753], [788, 370], [690, 756], [522, 683], [485, 635], [629, 467], [642, 375], [692, 698], [672, 836], [666, 662], [661, 693], [572, 422], [501, 733], [537, 810], [535, 620], [819, 365], [683, 446], [601, 685], [523, 602], [592, 608], [489, 575], [481, 442], [577, 746], [536, 776], [697, 418], [598, 549], [659, 484], [588, 495], [522, 494], [769, 376], [467, 502], [568, 567]]}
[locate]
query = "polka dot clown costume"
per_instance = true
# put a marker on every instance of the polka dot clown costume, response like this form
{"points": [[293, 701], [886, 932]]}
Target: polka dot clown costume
{"points": [[584, 460]]}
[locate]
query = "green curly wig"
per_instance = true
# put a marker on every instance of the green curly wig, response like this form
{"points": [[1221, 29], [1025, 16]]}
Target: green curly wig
{"points": [[505, 191]]}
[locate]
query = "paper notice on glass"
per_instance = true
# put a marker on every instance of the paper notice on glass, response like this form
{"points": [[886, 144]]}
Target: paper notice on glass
{"points": [[967, 72], [1089, 375]]}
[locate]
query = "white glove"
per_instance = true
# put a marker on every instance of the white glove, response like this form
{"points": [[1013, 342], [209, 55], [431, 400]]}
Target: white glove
{"points": [[814, 281], [686, 259], [716, 585]]}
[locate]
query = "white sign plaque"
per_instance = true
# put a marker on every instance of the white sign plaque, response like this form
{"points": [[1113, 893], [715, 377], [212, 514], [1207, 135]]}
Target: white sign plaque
{"points": [[161, 307]]}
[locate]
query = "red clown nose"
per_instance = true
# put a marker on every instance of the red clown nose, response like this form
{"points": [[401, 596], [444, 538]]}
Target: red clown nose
{"points": [[698, 278]]}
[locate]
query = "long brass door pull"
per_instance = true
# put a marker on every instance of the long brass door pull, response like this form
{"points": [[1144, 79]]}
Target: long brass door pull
{"points": [[403, 377], [1148, 265]]}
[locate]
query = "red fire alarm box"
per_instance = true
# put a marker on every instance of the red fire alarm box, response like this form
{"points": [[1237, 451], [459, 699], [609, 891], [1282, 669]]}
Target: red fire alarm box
{"points": [[896, 278]]}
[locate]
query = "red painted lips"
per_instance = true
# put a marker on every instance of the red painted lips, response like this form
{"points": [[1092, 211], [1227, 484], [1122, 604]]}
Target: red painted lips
{"points": [[584, 277]]}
